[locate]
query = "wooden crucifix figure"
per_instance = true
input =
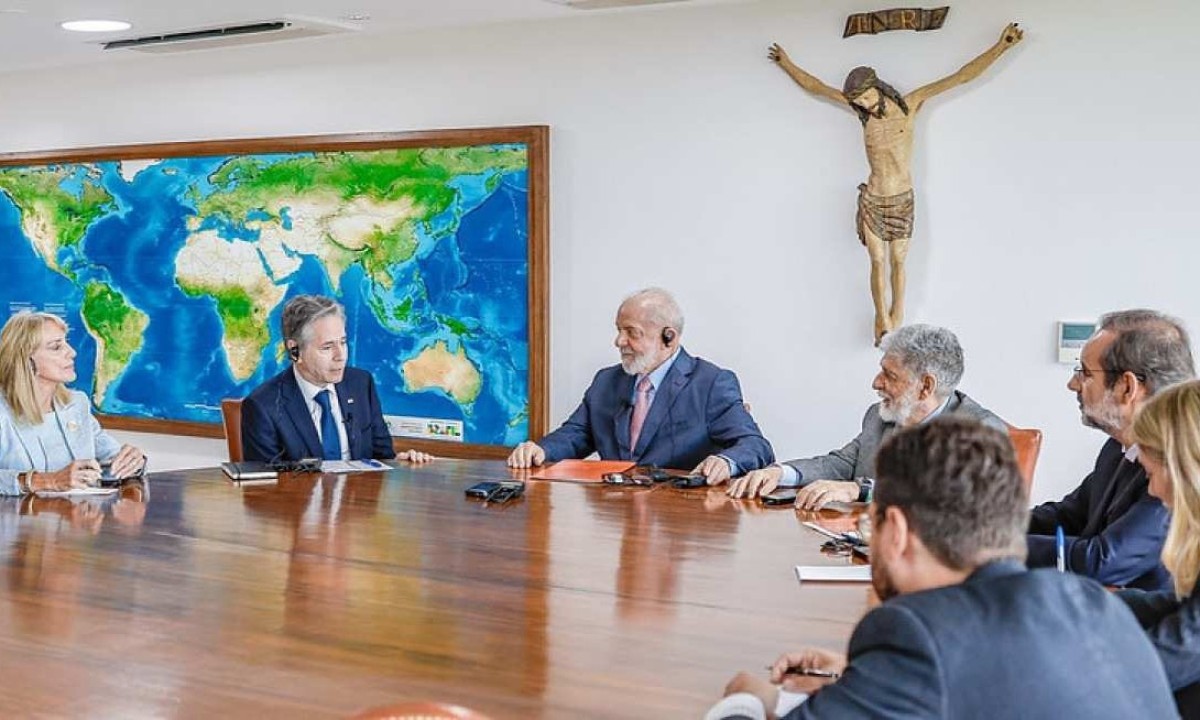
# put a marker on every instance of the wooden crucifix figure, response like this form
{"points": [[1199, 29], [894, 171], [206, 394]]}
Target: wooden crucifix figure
{"points": [[885, 201]]}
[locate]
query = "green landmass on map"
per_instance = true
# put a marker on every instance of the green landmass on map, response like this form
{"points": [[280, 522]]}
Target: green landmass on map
{"points": [[52, 217], [117, 327], [402, 189]]}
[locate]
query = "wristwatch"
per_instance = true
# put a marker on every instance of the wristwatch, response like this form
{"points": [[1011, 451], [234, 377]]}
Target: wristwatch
{"points": [[866, 489]]}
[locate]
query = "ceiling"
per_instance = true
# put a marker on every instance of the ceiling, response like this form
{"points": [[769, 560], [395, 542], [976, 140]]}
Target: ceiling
{"points": [[30, 36]]}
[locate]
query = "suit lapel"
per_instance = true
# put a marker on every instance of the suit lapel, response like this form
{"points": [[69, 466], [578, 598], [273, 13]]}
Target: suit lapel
{"points": [[623, 415], [297, 412], [664, 397], [347, 403]]}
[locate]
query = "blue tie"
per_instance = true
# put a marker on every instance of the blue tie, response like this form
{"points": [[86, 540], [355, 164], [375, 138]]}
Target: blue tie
{"points": [[330, 445]]}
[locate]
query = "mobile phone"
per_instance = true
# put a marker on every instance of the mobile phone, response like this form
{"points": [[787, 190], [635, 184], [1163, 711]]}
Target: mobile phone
{"points": [[483, 489], [779, 497], [685, 482], [107, 479], [499, 492]]}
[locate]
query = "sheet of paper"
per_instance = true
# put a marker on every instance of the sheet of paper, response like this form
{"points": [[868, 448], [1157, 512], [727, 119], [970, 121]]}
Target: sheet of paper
{"points": [[833, 573], [77, 491], [348, 466]]}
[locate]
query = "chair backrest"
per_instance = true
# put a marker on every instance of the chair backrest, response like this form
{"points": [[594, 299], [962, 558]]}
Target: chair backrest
{"points": [[231, 418], [1027, 442], [419, 711]]}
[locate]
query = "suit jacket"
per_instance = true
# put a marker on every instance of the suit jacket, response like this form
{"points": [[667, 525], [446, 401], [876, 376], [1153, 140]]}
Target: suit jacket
{"points": [[1174, 627], [276, 424], [1005, 643], [1115, 530], [76, 434], [857, 458], [697, 412]]}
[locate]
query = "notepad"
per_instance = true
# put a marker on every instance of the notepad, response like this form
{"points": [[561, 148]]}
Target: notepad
{"points": [[833, 573], [76, 492]]}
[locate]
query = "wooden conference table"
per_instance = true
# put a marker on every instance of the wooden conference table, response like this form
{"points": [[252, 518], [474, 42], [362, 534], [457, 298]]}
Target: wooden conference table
{"points": [[323, 595]]}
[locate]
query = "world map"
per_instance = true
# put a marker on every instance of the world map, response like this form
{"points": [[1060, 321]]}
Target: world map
{"points": [[172, 274]]}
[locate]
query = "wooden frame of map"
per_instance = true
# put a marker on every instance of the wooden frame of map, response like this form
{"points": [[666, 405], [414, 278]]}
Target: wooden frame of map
{"points": [[172, 263]]}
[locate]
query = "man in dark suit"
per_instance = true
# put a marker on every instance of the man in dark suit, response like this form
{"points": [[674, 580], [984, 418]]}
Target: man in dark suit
{"points": [[964, 630], [1114, 529], [917, 380], [660, 406], [319, 407]]}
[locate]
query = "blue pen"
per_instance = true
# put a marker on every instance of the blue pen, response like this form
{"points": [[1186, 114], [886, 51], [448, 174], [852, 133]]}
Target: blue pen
{"points": [[1061, 541]]}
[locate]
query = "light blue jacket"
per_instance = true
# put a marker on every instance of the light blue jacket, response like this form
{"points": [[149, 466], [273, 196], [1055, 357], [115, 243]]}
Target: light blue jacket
{"points": [[73, 435]]}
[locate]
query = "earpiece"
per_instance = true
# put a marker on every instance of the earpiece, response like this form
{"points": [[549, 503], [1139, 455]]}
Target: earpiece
{"points": [[33, 366], [668, 336], [294, 352]]}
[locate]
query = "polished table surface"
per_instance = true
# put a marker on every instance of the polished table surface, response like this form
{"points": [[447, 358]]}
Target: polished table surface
{"points": [[323, 595]]}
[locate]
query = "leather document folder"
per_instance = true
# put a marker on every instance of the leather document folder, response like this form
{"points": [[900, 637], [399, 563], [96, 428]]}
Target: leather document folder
{"points": [[581, 470]]}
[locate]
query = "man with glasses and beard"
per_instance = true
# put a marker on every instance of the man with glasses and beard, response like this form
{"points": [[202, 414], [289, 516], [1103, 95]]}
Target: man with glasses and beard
{"points": [[1114, 529], [917, 380], [660, 406]]}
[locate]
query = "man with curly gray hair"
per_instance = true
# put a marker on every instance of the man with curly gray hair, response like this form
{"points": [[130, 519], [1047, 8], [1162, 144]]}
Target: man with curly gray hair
{"points": [[917, 380]]}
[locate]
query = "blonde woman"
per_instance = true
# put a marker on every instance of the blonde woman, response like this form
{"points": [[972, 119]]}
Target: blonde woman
{"points": [[1167, 431], [49, 439]]}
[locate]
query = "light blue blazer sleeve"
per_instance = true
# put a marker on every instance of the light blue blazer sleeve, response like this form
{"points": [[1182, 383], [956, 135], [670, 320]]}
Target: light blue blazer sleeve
{"points": [[84, 439]]}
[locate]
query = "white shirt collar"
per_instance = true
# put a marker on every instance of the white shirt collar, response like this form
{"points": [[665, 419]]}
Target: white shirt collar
{"points": [[310, 390]]}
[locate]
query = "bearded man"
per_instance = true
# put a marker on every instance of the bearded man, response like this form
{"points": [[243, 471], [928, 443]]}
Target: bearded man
{"points": [[917, 380], [1113, 528], [660, 406]]}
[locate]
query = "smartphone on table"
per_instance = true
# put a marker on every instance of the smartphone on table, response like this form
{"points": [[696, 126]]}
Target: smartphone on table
{"points": [[780, 497]]}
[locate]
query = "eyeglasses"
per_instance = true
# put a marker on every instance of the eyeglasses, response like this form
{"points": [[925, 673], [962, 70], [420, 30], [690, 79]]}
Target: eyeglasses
{"points": [[1085, 373]]}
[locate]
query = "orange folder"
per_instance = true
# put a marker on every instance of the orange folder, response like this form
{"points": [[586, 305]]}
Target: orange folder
{"points": [[581, 470]]}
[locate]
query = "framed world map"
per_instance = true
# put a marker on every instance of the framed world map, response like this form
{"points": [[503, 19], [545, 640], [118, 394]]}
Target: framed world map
{"points": [[172, 263]]}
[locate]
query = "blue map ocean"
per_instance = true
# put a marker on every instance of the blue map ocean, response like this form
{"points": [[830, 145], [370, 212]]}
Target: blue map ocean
{"points": [[466, 286]]}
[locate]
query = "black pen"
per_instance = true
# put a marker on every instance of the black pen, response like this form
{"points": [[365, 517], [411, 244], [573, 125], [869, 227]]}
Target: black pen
{"points": [[810, 672]]}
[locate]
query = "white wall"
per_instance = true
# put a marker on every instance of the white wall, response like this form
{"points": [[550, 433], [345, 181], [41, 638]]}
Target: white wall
{"points": [[1057, 186]]}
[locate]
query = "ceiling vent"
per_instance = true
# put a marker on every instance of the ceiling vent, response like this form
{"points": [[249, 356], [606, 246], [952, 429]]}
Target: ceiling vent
{"points": [[605, 4], [230, 36]]}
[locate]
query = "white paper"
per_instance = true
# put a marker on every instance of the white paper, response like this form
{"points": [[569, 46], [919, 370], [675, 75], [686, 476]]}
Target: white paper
{"points": [[77, 491], [788, 701], [833, 573], [349, 466]]}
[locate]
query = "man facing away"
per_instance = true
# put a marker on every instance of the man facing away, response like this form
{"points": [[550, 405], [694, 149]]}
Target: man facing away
{"points": [[319, 407], [917, 380], [964, 630], [1114, 529], [660, 406]]}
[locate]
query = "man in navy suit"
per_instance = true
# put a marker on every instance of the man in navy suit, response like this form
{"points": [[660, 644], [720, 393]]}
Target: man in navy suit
{"points": [[660, 406], [1114, 529], [319, 407], [964, 630]]}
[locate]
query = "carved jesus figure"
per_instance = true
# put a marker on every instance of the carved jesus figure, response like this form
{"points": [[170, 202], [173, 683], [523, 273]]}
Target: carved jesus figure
{"points": [[885, 201]]}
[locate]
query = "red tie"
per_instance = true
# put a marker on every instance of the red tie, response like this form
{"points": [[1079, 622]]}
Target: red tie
{"points": [[641, 408]]}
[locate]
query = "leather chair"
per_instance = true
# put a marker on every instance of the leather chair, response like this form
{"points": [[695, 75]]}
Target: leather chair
{"points": [[1027, 442], [231, 418], [419, 711]]}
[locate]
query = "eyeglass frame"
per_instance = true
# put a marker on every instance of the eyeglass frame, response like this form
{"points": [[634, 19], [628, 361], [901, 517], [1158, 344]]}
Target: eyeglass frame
{"points": [[1080, 371]]}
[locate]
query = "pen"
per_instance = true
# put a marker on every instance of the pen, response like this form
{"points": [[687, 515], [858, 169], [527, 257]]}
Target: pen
{"points": [[1061, 543], [810, 672], [814, 526]]}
